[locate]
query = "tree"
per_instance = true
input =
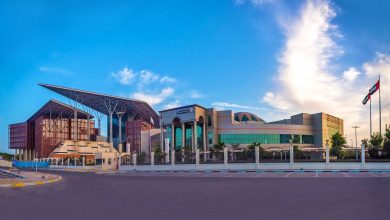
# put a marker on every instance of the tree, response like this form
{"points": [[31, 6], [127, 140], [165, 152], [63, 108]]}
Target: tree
{"points": [[219, 147], [386, 144], [297, 152], [376, 143], [376, 140], [337, 142], [235, 146]]}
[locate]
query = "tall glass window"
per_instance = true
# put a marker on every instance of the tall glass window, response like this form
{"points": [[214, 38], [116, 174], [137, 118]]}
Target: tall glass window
{"points": [[210, 137]]}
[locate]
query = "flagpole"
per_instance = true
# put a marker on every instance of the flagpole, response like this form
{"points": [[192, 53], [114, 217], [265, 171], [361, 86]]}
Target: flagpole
{"points": [[380, 107], [370, 120]]}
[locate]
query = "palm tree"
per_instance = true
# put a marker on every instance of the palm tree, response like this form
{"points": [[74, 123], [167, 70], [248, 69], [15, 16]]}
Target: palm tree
{"points": [[219, 147]]}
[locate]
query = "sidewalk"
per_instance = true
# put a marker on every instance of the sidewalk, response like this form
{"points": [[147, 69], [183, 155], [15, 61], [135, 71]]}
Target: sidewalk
{"points": [[29, 179]]}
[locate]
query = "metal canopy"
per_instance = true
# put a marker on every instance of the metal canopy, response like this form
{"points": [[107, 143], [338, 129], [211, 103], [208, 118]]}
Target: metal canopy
{"points": [[107, 104], [55, 109]]}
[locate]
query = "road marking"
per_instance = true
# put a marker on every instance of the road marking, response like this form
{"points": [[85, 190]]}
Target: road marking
{"points": [[345, 174], [259, 175], [373, 174], [288, 174], [316, 174]]}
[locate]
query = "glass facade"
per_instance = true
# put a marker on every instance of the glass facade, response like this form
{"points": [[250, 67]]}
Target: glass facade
{"points": [[265, 138]]}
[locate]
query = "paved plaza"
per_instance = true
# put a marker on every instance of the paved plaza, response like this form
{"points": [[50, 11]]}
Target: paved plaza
{"points": [[203, 195]]}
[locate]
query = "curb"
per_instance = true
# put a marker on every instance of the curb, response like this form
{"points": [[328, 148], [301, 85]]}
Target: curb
{"points": [[35, 183]]}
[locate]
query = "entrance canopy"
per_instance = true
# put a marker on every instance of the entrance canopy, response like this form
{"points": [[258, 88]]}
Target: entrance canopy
{"points": [[107, 104]]}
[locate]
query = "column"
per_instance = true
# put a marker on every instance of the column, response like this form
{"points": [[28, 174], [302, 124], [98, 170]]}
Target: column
{"points": [[88, 128], [120, 131], [173, 138], [204, 142], [83, 162], [99, 126], [183, 133], [161, 136], [110, 119], [192, 138], [75, 125], [24, 154], [195, 136]]}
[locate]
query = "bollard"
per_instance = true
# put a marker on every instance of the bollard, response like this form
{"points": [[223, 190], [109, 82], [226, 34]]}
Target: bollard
{"points": [[327, 155], [291, 155], [83, 162], [172, 157], [134, 160], [152, 158], [257, 155], [68, 162], [197, 158], [225, 157]]}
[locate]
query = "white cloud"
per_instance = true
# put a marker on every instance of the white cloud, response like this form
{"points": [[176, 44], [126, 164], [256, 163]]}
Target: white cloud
{"points": [[305, 80], [54, 70], [222, 105], [125, 76], [147, 76], [167, 79], [255, 3], [155, 98], [196, 95], [171, 105], [351, 74]]}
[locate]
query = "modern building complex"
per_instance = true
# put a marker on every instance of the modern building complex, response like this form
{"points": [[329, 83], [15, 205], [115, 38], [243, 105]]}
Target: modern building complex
{"points": [[58, 130], [210, 127]]}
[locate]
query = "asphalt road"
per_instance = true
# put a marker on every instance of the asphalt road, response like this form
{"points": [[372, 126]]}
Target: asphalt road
{"points": [[95, 197]]}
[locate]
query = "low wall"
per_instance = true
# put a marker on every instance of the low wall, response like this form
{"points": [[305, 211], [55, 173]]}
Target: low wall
{"points": [[30, 164], [263, 166], [5, 163]]}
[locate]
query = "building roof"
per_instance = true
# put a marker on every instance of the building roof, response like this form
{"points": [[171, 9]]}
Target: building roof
{"points": [[186, 106], [55, 109], [107, 104], [247, 116]]}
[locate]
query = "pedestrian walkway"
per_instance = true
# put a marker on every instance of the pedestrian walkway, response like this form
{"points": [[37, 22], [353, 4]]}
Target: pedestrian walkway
{"points": [[259, 174], [23, 178]]}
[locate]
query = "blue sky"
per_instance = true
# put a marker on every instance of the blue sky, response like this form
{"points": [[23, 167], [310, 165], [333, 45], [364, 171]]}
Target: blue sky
{"points": [[271, 57]]}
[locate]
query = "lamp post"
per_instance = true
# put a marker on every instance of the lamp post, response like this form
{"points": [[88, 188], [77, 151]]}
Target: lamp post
{"points": [[356, 127]]}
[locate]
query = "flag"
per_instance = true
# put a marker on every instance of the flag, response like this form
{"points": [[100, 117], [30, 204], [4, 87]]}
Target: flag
{"points": [[151, 121], [374, 88], [365, 100]]}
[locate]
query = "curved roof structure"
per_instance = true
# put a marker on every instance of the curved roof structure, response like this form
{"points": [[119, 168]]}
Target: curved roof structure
{"points": [[246, 116], [55, 109], [107, 104]]}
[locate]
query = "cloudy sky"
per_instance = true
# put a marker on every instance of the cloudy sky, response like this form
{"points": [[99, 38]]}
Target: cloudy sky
{"points": [[270, 57]]}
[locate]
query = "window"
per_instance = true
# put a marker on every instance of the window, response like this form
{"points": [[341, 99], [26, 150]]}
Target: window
{"points": [[210, 137], [98, 161], [209, 120]]}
